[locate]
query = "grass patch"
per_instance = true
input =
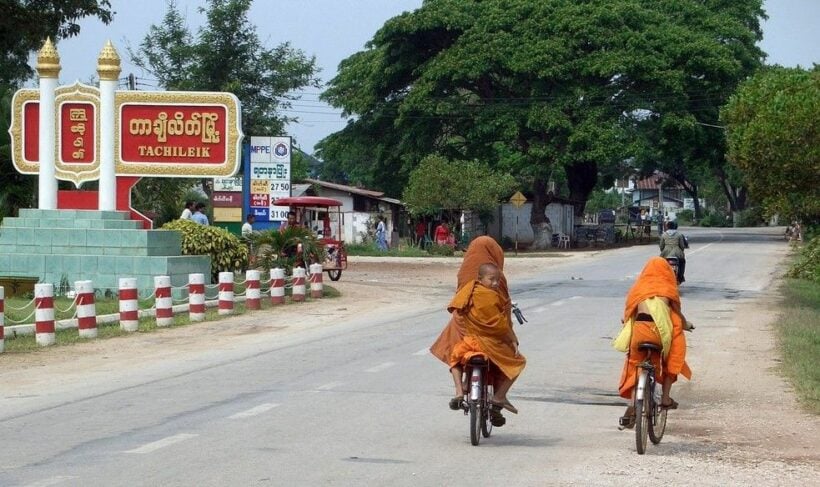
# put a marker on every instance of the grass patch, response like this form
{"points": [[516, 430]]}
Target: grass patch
{"points": [[800, 339], [372, 251], [26, 343]]}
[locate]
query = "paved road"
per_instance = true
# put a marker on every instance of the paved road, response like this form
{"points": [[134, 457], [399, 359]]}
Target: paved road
{"points": [[363, 403]]}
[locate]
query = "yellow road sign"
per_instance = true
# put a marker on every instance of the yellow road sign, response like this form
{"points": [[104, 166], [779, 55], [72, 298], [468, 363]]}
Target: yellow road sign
{"points": [[518, 199]]}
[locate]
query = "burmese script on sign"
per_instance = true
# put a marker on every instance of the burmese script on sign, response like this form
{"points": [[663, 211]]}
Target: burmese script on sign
{"points": [[174, 134]]}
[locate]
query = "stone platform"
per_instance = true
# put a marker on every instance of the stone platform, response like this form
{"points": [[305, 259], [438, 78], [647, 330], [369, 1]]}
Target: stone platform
{"points": [[53, 245]]}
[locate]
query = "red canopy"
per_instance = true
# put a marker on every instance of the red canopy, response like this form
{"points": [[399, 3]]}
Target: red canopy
{"points": [[307, 201]]}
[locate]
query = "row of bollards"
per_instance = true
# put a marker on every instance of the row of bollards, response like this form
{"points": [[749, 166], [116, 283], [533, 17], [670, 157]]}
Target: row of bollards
{"points": [[44, 321]]}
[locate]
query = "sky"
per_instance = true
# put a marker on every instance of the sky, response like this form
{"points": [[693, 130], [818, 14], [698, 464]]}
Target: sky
{"points": [[332, 30]]}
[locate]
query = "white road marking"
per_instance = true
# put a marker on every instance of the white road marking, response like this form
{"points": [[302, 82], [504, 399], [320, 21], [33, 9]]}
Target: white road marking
{"points": [[423, 351], [575, 297], [539, 309], [253, 411], [329, 386], [698, 250], [52, 481], [560, 302], [380, 367], [156, 445]]}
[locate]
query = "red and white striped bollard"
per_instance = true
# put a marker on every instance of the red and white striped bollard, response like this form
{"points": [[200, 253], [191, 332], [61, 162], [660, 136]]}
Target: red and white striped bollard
{"points": [[196, 296], [316, 284], [163, 302], [129, 304], [44, 314], [277, 286], [299, 289], [86, 309], [225, 303], [252, 292]]}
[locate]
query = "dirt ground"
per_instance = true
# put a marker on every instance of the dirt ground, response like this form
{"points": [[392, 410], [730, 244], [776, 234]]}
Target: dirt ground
{"points": [[739, 386]]}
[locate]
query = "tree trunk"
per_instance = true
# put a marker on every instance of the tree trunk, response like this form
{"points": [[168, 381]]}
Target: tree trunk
{"points": [[581, 179], [542, 231]]}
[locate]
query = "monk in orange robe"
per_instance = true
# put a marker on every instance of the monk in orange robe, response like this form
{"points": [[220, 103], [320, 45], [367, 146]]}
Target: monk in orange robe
{"points": [[482, 250], [653, 311]]}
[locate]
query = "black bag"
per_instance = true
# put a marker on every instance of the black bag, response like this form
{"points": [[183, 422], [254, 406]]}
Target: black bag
{"points": [[685, 241]]}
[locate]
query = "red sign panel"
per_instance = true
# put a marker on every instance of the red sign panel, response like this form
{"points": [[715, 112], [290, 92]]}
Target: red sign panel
{"points": [[173, 134], [260, 199], [31, 131], [77, 132], [226, 200]]}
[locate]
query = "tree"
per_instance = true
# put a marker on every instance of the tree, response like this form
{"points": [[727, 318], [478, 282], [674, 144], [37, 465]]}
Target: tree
{"points": [[226, 54], [25, 24], [535, 88], [438, 184], [773, 139], [17, 190]]}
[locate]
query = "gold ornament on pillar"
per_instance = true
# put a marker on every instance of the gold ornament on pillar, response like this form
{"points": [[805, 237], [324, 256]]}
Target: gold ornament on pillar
{"points": [[48, 60], [108, 63]]}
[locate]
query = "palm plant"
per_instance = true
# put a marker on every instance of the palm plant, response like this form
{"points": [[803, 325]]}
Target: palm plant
{"points": [[286, 248]]}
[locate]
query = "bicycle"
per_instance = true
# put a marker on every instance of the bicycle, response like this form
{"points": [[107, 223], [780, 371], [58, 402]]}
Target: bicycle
{"points": [[650, 416]]}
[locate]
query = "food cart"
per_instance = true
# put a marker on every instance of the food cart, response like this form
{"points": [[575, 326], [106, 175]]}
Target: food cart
{"points": [[310, 209]]}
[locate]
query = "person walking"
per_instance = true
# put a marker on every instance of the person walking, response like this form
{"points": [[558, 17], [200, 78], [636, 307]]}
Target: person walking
{"points": [[381, 235], [199, 214]]}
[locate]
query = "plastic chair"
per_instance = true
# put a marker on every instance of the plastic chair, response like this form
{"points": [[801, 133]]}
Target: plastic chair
{"points": [[563, 241]]}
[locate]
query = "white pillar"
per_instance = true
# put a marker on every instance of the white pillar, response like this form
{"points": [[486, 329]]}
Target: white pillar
{"points": [[48, 68], [108, 68]]}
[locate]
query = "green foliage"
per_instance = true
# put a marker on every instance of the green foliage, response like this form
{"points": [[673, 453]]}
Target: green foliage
{"points": [[713, 219], [751, 217], [439, 184], [800, 339], [807, 264], [226, 54], [685, 217], [164, 198], [371, 251], [600, 200], [25, 24], [279, 248], [534, 89], [227, 252], [444, 250], [773, 139]]}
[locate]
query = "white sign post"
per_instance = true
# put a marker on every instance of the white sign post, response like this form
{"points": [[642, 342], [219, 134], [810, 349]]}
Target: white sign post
{"points": [[270, 175]]}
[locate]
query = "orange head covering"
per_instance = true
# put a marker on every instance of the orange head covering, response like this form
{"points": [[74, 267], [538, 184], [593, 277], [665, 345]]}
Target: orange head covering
{"points": [[483, 250], [656, 279]]}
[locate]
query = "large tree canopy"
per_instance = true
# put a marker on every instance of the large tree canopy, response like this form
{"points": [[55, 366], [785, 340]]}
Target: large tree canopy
{"points": [[538, 87], [774, 140], [226, 54], [24, 25]]}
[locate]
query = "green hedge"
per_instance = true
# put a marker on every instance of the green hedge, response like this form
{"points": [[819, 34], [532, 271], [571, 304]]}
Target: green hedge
{"points": [[227, 252]]}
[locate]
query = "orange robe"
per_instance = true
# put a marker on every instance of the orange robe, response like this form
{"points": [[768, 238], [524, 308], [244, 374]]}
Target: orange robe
{"points": [[656, 279], [488, 329], [482, 250]]}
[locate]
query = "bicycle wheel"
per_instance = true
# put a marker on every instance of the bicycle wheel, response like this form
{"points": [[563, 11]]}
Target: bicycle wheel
{"points": [[334, 274], [475, 422], [486, 425], [641, 423], [657, 423]]}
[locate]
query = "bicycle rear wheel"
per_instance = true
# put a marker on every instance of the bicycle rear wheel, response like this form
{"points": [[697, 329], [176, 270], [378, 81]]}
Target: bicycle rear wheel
{"points": [[486, 425], [642, 415], [475, 422], [657, 422]]}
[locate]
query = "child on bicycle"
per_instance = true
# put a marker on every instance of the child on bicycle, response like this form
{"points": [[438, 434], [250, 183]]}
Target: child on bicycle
{"points": [[488, 332], [653, 314]]}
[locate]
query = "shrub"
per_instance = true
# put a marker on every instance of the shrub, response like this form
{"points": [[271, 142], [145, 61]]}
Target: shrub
{"points": [[278, 248], [685, 217], [227, 252], [444, 250], [807, 264], [751, 217], [713, 220]]}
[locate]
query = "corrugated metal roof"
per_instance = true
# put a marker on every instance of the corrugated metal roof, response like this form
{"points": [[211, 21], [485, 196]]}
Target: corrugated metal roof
{"points": [[349, 189], [657, 180]]}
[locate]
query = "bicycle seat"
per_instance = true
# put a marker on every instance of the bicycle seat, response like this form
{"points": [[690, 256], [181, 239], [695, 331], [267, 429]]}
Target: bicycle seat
{"points": [[478, 360], [649, 346]]}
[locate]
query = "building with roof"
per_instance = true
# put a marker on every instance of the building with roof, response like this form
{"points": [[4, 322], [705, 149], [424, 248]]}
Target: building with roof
{"points": [[360, 208]]}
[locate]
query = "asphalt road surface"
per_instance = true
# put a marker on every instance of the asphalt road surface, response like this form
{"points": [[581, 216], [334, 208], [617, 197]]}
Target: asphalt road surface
{"points": [[362, 402]]}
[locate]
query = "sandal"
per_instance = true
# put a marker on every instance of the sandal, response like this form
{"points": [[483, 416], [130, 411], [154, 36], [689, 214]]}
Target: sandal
{"points": [[627, 421], [496, 418], [672, 404], [506, 405], [455, 403]]}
